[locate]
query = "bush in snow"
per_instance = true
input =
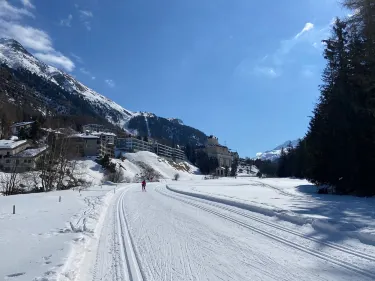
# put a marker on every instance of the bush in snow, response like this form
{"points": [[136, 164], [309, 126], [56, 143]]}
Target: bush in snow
{"points": [[176, 176], [116, 176]]}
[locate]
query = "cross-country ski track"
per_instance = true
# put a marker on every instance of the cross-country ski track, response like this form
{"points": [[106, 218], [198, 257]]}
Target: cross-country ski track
{"points": [[164, 235]]}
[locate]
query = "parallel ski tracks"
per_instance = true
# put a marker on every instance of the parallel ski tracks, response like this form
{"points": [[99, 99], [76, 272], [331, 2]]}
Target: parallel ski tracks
{"points": [[202, 204]]}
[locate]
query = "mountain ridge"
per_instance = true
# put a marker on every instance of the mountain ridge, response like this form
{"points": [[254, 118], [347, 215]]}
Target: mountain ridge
{"points": [[275, 153], [15, 56]]}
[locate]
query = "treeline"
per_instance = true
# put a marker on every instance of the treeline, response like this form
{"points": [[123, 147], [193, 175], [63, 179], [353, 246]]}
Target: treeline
{"points": [[339, 147]]}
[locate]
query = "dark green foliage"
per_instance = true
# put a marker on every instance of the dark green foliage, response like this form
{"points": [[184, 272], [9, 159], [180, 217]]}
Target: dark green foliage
{"points": [[266, 167], [339, 147], [190, 153], [234, 167], [206, 164], [166, 131]]}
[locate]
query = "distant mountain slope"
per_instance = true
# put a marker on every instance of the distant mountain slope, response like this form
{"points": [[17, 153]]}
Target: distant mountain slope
{"points": [[275, 153], [36, 87], [163, 129]]}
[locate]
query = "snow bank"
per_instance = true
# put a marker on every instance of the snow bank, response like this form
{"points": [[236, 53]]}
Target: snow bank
{"points": [[46, 239], [166, 168], [293, 201]]}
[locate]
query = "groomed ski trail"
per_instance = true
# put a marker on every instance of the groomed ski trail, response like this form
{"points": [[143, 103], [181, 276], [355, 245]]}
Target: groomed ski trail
{"points": [[162, 235]]}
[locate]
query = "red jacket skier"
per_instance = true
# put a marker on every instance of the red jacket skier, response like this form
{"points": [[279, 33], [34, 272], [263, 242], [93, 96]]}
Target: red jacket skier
{"points": [[144, 185]]}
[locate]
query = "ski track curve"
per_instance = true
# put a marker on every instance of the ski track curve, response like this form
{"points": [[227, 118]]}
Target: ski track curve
{"points": [[161, 235], [198, 203], [246, 213]]}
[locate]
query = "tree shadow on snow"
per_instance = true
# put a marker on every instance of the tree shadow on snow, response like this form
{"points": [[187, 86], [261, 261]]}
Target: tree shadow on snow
{"points": [[336, 217]]}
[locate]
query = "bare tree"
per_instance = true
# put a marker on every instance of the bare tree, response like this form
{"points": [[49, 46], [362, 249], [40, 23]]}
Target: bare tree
{"points": [[10, 182]]}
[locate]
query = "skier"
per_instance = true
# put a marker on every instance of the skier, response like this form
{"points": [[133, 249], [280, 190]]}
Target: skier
{"points": [[144, 185]]}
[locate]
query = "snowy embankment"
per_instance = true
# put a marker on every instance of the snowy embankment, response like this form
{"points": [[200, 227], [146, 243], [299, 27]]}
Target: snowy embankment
{"points": [[166, 168], [291, 200], [46, 238]]}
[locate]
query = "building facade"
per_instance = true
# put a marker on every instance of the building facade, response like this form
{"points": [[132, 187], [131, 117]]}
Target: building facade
{"points": [[9, 148], [24, 161], [85, 144], [131, 144], [95, 128], [218, 151], [16, 127]]}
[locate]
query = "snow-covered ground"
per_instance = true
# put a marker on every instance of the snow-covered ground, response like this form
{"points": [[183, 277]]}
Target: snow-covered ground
{"points": [[295, 201], [45, 235], [166, 168], [163, 235], [192, 229]]}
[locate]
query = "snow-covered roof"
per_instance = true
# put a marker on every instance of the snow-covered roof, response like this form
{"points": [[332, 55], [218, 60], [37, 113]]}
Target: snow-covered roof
{"points": [[84, 136], [103, 133], [10, 144], [31, 152], [22, 124], [52, 131]]}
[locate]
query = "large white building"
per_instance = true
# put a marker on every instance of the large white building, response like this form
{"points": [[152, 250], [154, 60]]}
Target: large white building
{"points": [[131, 144]]}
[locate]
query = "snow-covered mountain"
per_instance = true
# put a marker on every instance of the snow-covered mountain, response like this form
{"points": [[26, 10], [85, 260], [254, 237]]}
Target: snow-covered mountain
{"points": [[275, 153], [16, 56], [78, 99]]}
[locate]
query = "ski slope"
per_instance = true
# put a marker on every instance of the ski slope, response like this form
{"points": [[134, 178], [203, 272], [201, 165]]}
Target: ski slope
{"points": [[164, 235]]}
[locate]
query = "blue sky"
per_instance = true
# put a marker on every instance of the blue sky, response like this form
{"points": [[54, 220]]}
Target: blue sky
{"points": [[245, 71]]}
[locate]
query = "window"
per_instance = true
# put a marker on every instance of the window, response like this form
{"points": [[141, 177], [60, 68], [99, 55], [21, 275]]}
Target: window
{"points": [[25, 161], [17, 161], [7, 161], [8, 153], [29, 161]]}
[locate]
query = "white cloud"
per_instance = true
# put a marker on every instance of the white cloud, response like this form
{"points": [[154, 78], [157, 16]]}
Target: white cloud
{"points": [[308, 26], [110, 83], [28, 36], [67, 22], [93, 78], [27, 4], [10, 12], [85, 17], [56, 59], [31, 38]]}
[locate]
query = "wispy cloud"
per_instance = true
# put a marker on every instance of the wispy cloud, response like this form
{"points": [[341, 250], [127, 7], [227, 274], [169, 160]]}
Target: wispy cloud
{"points": [[27, 4], [86, 17], [308, 27], [267, 71], [56, 58], [308, 71], [37, 40], [10, 12], [67, 22], [110, 83], [272, 65], [77, 58]]}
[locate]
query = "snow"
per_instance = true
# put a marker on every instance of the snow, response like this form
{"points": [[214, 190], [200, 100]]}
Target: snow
{"points": [[22, 124], [15, 56], [191, 229], [276, 152], [84, 136], [162, 235], [31, 152], [166, 168], [295, 201], [10, 144], [36, 242]]}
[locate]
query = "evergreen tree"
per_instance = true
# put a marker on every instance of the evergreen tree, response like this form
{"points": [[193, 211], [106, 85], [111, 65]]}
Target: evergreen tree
{"points": [[234, 167]]}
